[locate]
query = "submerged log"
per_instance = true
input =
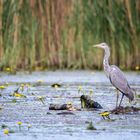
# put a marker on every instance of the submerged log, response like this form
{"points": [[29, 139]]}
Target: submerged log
{"points": [[68, 106], [86, 102], [58, 107], [65, 113]]}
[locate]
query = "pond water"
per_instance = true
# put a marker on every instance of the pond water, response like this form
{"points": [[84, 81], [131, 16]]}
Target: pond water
{"points": [[47, 124]]}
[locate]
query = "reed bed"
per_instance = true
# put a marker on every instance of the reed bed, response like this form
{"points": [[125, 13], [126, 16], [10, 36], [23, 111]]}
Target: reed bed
{"points": [[59, 34]]}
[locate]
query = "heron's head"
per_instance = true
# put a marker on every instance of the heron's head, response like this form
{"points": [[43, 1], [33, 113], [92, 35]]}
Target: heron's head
{"points": [[101, 45]]}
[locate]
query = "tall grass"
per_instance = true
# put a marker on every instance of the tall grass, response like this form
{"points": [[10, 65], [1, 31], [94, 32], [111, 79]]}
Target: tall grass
{"points": [[115, 22], [39, 34]]}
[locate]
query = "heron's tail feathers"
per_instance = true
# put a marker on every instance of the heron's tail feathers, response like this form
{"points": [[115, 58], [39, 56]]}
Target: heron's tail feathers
{"points": [[130, 95]]}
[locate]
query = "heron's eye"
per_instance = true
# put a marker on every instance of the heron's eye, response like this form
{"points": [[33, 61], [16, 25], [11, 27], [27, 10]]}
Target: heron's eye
{"points": [[104, 44]]}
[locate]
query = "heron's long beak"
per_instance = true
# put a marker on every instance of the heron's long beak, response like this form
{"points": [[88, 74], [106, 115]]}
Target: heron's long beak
{"points": [[97, 45]]}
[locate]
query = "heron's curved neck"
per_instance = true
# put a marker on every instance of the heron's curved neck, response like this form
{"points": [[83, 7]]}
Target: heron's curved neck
{"points": [[106, 61]]}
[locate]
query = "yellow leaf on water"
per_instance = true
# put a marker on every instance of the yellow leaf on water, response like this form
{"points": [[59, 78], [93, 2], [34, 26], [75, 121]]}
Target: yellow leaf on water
{"points": [[18, 95], [6, 131], [106, 113], [19, 123], [22, 85], [2, 87]]}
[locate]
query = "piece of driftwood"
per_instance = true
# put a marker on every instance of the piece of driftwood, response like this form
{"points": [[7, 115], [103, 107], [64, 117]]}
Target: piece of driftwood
{"points": [[65, 113], [58, 107], [86, 102], [124, 110], [67, 106]]}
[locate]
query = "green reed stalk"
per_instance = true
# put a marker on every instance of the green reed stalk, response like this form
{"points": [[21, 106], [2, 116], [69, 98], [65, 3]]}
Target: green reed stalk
{"points": [[40, 34]]}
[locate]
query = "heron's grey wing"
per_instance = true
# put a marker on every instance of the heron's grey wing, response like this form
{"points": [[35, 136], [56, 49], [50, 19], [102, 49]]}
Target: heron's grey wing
{"points": [[118, 79]]}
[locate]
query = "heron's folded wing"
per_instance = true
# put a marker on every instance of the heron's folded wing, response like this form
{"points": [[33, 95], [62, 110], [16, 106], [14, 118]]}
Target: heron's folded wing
{"points": [[118, 79]]}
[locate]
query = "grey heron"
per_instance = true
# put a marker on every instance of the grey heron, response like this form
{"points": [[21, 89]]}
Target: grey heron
{"points": [[115, 75]]}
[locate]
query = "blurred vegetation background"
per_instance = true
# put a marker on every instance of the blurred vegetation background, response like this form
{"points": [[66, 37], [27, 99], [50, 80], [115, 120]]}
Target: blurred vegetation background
{"points": [[51, 34]]}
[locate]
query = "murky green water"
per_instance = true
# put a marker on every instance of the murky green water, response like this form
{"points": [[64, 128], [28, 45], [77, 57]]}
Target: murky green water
{"points": [[46, 124]]}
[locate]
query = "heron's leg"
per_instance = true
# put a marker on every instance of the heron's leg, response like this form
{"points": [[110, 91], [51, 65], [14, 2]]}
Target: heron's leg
{"points": [[121, 99], [117, 98]]}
